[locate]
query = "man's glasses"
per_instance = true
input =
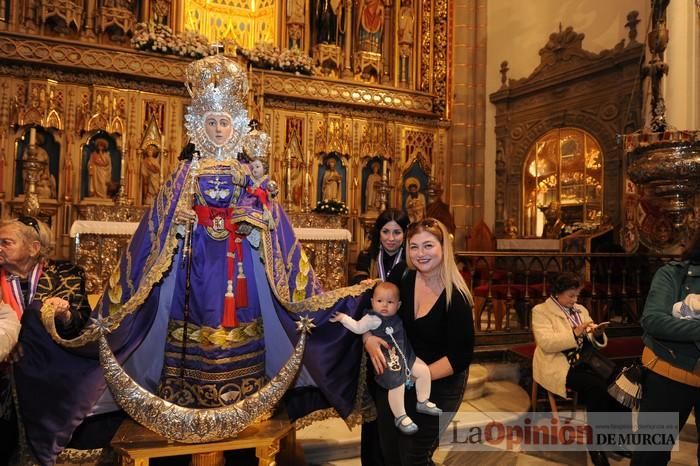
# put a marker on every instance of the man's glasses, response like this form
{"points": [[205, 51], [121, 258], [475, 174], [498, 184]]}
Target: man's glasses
{"points": [[30, 222]]}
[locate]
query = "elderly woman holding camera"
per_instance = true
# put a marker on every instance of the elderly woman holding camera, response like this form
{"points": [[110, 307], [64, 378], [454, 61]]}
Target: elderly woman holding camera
{"points": [[564, 333]]}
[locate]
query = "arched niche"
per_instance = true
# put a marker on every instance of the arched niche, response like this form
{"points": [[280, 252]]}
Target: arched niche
{"points": [[563, 166], [597, 94]]}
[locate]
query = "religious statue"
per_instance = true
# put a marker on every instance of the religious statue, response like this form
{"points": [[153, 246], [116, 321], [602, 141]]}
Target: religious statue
{"points": [[510, 229], [296, 184], [439, 209], [260, 191], [296, 18], [100, 170], [373, 201], [150, 173], [210, 307], [406, 34], [45, 186], [371, 25], [415, 201], [406, 23], [329, 17], [332, 182], [554, 227]]}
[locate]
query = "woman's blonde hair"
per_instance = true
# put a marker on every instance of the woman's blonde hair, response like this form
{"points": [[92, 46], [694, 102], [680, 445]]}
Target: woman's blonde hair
{"points": [[449, 273]]}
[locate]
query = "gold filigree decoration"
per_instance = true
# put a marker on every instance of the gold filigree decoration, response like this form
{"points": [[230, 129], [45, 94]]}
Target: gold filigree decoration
{"points": [[284, 85], [190, 425], [241, 335]]}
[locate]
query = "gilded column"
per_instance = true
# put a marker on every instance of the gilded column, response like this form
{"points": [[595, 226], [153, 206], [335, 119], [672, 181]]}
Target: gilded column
{"points": [[388, 42], [178, 21], [347, 41], [145, 13]]}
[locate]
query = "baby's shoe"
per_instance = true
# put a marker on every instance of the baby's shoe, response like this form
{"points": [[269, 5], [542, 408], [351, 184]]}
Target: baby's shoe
{"points": [[408, 429], [428, 407]]}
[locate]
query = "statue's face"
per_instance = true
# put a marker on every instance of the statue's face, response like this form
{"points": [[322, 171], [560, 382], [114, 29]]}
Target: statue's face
{"points": [[331, 164], [218, 127]]}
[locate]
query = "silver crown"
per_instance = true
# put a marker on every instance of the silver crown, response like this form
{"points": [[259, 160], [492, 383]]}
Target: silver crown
{"points": [[217, 85]]}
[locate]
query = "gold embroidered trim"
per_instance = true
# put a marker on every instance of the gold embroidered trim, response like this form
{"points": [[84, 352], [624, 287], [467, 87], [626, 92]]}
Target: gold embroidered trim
{"points": [[216, 376], [186, 394], [162, 261], [358, 413], [95, 456], [192, 357], [245, 333]]}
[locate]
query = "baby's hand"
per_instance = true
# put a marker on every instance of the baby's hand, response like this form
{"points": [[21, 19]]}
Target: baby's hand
{"points": [[337, 317]]}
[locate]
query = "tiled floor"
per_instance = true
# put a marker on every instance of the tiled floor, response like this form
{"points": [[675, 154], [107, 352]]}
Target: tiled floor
{"points": [[331, 443]]}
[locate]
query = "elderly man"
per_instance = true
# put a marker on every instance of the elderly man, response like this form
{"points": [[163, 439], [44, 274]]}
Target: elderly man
{"points": [[28, 279]]}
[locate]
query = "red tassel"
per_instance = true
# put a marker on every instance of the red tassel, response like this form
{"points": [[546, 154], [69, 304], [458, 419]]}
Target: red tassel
{"points": [[241, 287], [229, 319]]}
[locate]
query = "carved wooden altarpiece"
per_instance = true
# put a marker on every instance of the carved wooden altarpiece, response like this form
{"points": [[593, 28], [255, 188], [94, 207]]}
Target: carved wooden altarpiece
{"points": [[598, 93]]}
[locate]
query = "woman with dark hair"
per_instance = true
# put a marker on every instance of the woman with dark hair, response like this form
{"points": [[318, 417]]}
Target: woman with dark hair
{"points": [[385, 257], [671, 353], [562, 328]]}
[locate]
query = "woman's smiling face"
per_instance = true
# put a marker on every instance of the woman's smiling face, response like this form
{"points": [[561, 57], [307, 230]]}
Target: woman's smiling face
{"points": [[425, 252], [391, 236]]}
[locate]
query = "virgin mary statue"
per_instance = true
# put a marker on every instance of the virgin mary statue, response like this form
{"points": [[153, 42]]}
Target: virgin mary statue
{"points": [[204, 307]]}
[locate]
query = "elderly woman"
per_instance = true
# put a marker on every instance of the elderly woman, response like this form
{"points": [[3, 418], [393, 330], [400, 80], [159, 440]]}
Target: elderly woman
{"points": [[562, 328], [28, 279]]}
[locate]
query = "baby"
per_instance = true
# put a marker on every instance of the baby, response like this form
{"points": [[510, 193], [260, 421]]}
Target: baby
{"points": [[403, 365], [689, 308], [258, 187]]}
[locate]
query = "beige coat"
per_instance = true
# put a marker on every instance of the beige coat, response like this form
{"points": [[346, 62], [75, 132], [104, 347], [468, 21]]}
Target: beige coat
{"points": [[9, 330], [553, 334]]}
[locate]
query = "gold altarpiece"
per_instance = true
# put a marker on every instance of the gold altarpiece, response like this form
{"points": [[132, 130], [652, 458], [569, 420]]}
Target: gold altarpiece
{"points": [[72, 81]]}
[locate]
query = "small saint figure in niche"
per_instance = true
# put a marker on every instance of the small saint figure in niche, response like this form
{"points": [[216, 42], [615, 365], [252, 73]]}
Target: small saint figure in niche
{"points": [[332, 181], [328, 14], [373, 200], [100, 170], [296, 18], [415, 201], [510, 229], [150, 173], [371, 27], [439, 209], [296, 181], [45, 185]]}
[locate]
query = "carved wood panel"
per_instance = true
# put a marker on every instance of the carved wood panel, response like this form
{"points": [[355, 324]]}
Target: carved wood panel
{"points": [[598, 93]]}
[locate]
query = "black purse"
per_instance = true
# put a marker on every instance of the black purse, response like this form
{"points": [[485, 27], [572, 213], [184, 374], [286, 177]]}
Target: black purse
{"points": [[587, 354]]}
